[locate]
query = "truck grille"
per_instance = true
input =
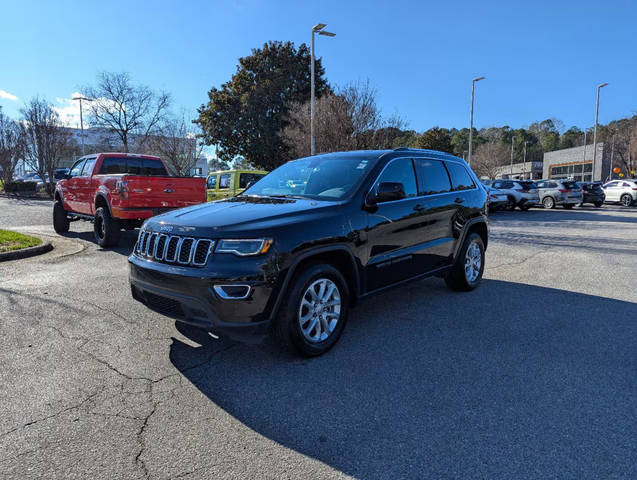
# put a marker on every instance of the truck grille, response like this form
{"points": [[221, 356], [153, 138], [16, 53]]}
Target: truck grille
{"points": [[173, 248]]}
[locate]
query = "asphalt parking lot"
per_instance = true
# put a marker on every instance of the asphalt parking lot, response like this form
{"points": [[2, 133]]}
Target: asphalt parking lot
{"points": [[532, 375]]}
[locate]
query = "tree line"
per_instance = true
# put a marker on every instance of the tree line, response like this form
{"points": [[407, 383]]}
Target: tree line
{"points": [[261, 118]]}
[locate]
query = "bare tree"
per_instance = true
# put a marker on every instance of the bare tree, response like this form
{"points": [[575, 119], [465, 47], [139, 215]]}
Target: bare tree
{"points": [[347, 120], [11, 146], [132, 111], [45, 138], [489, 158], [178, 144]]}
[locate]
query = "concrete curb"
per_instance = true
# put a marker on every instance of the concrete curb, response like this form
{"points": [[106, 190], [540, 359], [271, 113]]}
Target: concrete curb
{"points": [[26, 252]]}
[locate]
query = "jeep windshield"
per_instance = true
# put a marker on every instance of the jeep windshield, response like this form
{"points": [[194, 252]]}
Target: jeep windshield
{"points": [[321, 178]]}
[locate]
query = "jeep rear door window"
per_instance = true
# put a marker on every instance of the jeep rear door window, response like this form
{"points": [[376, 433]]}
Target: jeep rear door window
{"points": [[432, 176], [329, 177], [154, 168], [460, 178]]}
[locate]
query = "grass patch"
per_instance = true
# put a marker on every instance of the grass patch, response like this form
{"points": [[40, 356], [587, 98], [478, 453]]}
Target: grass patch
{"points": [[15, 241]]}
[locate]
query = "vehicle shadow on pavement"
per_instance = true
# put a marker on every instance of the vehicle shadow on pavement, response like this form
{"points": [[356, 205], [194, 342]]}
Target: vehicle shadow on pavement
{"points": [[510, 380], [580, 214], [125, 246]]}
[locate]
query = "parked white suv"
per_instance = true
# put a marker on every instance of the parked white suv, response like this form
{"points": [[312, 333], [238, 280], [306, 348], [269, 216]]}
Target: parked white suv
{"points": [[521, 193], [622, 191]]}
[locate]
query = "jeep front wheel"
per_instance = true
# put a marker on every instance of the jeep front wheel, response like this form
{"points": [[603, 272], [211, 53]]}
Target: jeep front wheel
{"points": [[315, 310]]}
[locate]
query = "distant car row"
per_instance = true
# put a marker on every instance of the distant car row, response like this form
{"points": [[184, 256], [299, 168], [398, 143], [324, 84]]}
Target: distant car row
{"points": [[524, 194]]}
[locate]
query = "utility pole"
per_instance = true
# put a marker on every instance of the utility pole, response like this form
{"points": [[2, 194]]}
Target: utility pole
{"points": [[599, 87], [318, 28], [473, 85], [512, 156], [524, 164], [82, 119]]}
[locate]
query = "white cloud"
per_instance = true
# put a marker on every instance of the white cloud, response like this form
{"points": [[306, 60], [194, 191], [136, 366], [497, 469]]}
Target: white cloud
{"points": [[69, 111], [8, 96]]}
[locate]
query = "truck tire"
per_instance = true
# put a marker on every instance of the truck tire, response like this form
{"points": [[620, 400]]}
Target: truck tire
{"points": [[106, 228], [60, 220], [304, 307], [465, 275]]}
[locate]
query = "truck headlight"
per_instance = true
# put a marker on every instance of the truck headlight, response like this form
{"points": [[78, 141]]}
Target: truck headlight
{"points": [[244, 247]]}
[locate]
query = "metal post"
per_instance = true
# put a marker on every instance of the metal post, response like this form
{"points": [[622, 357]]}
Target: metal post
{"points": [[82, 127], [313, 141], [524, 164], [473, 85], [599, 87], [512, 138]]}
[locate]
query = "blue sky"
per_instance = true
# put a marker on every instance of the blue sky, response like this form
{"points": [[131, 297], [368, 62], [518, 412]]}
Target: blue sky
{"points": [[541, 59]]}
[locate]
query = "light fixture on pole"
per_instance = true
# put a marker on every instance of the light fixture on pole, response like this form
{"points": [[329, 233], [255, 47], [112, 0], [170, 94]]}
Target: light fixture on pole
{"points": [[82, 119], [473, 85], [318, 28], [599, 87]]}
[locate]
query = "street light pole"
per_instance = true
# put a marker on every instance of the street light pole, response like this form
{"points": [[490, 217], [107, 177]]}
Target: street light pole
{"points": [[473, 87], [82, 119], [599, 87], [318, 28], [512, 156], [524, 165]]}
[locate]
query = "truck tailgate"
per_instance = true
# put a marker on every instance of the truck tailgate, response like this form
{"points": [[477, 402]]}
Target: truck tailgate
{"points": [[164, 192]]}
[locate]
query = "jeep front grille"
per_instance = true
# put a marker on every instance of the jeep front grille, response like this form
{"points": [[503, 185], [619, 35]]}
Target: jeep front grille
{"points": [[173, 248]]}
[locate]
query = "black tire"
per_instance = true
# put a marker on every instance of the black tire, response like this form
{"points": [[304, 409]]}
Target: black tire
{"points": [[287, 326], [60, 220], [598, 204], [548, 202], [106, 229], [457, 279], [626, 200], [510, 205], [568, 206]]}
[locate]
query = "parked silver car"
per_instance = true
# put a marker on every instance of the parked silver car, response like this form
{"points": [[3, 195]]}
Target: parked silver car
{"points": [[497, 199], [567, 193], [520, 193], [622, 191]]}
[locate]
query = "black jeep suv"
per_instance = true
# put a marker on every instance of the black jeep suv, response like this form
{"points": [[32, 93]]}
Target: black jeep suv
{"points": [[293, 252]]}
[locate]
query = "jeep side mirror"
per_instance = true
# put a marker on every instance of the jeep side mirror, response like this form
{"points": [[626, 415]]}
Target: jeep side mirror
{"points": [[386, 192]]}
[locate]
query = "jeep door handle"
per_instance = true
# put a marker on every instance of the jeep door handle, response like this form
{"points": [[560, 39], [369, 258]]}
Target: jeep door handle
{"points": [[459, 200]]}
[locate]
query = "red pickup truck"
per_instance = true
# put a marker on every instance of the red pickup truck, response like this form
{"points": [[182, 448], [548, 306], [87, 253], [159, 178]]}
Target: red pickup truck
{"points": [[119, 191]]}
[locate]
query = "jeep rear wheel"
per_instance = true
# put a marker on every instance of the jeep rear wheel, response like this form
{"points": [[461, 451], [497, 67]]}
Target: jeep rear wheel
{"points": [[315, 310], [106, 228], [467, 270]]}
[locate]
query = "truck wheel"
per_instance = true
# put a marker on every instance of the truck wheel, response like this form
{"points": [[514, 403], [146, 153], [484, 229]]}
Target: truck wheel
{"points": [[106, 228], [314, 312], [60, 220], [467, 270]]}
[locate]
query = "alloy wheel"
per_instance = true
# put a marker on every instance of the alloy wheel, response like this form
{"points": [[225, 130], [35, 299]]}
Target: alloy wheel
{"points": [[627, 200], [473, 262], [320, 310]]}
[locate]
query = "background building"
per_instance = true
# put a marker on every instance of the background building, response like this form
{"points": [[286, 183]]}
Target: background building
{"points": [[577, 163], [519, 171]]}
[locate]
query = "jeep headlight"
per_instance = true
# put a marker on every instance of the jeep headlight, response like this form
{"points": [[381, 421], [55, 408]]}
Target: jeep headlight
{"points": [[244, 247]]}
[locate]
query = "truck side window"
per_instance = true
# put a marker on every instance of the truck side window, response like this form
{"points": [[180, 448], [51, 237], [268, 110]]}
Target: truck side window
{"points": [[113, 166], [224, 181], [88, 167], [211, 183], [77, 169]]}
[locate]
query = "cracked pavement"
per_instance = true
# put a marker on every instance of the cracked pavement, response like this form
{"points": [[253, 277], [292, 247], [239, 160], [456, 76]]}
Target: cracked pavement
{"points": [[532, 375]]}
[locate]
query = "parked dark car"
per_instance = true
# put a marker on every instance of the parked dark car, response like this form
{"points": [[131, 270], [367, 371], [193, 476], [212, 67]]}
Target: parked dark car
{"points": [[592, 193], [291, 261]]}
